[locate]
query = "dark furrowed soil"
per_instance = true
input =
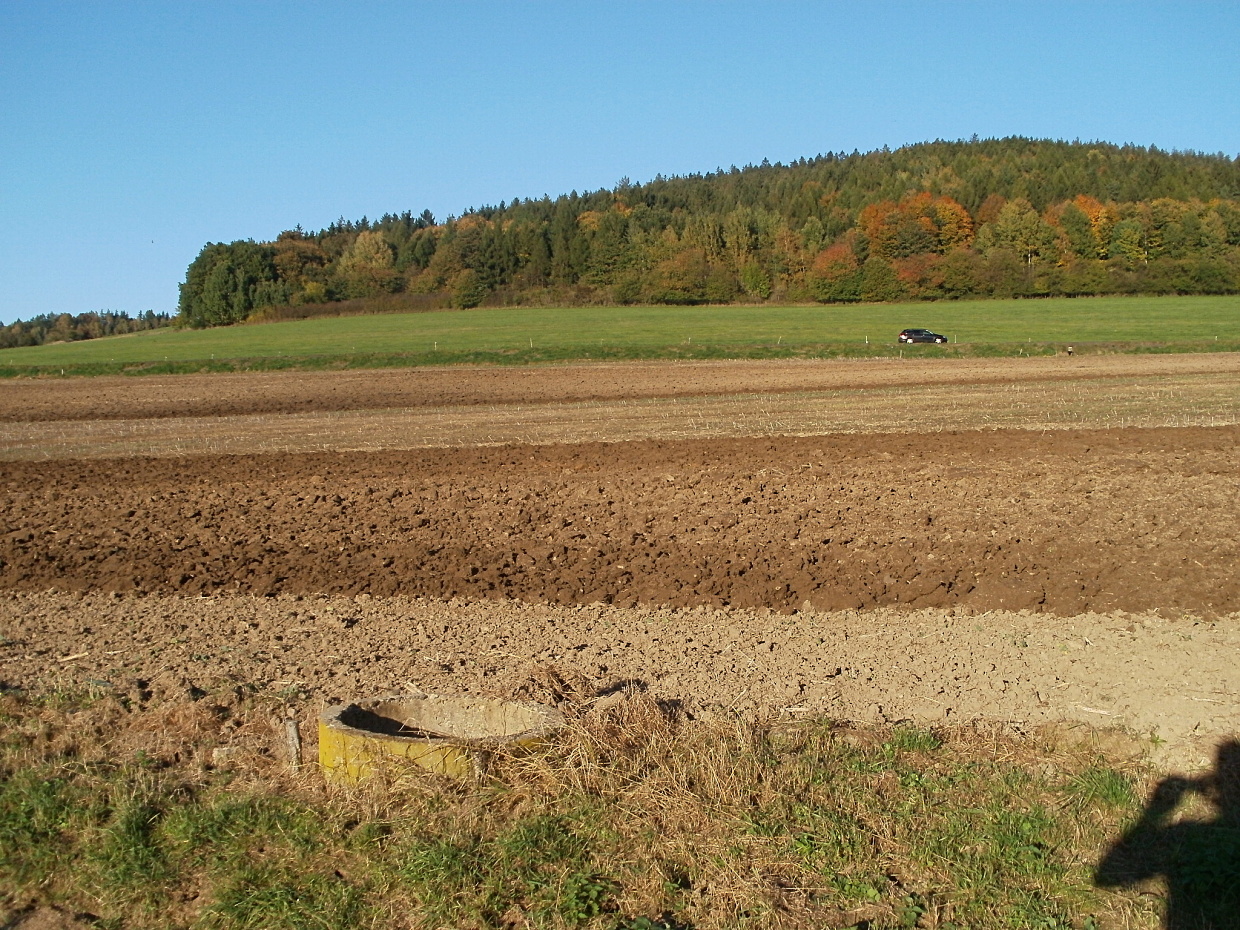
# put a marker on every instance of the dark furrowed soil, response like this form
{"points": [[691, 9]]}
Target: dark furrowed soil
{"points": [[1061, 522]]}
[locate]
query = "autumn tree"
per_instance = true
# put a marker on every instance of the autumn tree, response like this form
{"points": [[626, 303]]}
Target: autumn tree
{"points": [[680, 279], [301, 263], [836, 274], [368, 268], [917, 224]]}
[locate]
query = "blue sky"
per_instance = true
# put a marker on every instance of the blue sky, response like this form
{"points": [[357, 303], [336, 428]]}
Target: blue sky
{"points": [[133, 133]]}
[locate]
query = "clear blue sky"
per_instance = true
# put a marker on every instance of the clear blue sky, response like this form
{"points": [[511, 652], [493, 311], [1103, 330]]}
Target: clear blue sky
{"points": [[133, 133]]}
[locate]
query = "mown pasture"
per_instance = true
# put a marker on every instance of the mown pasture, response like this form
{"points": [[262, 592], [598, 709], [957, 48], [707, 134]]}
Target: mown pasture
{"points": [[532, 335]]}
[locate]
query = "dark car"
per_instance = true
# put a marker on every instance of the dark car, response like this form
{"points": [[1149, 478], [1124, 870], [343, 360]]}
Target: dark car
{"points": [[921, 335]]}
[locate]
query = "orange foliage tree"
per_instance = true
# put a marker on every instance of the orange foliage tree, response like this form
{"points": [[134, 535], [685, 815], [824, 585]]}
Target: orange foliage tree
{"points": [[917, 224], [836, 274]]}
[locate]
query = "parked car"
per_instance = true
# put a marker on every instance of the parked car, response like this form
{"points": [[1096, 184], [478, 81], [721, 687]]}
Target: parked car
{"points": [[921, 335]]}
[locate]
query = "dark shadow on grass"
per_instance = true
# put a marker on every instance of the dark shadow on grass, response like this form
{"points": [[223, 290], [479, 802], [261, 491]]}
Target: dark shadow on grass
{"points": [[1199, 859]]}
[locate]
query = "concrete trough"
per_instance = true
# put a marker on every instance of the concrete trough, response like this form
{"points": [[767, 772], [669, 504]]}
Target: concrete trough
{"points": [[452, 735]]}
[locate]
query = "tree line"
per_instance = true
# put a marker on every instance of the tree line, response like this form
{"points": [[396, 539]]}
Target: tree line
{"points": [[940, 220], [65, 327]]}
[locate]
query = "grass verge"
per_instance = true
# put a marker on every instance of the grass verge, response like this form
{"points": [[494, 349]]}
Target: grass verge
{"points": [[636, 819]]}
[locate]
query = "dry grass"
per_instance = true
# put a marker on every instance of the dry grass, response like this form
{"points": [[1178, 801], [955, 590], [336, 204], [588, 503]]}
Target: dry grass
{"points": [[636, 818]]}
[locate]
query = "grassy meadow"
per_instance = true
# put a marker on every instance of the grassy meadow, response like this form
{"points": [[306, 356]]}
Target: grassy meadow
{"points": [[534, 335]]}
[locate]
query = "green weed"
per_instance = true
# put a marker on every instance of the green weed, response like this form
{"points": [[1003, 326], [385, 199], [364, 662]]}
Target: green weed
{"points": [[1208, 869], [266, 896], [908, 738], [1099, 784], [131, 863], [540, 866], [37, 812], [221, 831]]}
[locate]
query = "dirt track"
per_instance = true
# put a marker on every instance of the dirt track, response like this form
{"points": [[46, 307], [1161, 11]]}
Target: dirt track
{"points": [[976, 540]]}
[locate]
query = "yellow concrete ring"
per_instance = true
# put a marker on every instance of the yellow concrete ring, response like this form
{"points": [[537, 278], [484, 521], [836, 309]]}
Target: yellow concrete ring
{"points": [[449, 734]]}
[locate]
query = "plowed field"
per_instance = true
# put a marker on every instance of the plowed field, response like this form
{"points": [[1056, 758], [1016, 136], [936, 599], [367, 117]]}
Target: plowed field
{"points": [[937, 552]]}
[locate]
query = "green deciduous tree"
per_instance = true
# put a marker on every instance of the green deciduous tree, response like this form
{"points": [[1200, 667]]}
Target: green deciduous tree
{"points": [[467, 289], [1077, 231], [223, 283], [879, 281], [1018, 229], [1128, 243], [754, 280]]}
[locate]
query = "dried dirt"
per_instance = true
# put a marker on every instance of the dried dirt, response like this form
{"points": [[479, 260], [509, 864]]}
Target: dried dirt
{"points": [[1172, 677], [1085, 575], [292, 412]]}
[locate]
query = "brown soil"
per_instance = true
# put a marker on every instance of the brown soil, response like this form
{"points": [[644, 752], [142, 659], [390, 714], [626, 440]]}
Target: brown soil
{"points": [[609, 403], [1064, 521], [1013, 575]]}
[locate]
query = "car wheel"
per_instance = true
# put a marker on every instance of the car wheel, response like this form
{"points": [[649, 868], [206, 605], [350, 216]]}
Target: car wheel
{"points": [[940, 341]]}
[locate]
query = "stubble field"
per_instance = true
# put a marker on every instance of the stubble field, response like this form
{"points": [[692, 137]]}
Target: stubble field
{"points": [[849, 539]]}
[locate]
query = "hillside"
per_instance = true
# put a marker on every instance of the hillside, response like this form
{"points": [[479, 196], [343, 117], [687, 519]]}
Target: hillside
{"points": [[941, 220]]}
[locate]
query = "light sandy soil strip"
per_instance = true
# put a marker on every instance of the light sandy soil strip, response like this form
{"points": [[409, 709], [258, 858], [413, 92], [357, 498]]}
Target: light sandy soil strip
{"points": [[121, 397], [1176, 680], [1207, 399]]}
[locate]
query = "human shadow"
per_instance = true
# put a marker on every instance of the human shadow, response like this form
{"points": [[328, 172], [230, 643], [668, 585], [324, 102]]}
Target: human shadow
{"points": [[1198, 858]]}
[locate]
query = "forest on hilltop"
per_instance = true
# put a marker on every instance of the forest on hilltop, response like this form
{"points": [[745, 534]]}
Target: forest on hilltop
{"points": [[1008, 217]]}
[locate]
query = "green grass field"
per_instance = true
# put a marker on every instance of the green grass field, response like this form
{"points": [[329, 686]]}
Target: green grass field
{"points": [[532, 335]]}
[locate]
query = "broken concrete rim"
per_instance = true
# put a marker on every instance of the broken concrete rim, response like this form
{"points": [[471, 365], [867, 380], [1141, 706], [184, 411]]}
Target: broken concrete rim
{"points": [[449, 734]]}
